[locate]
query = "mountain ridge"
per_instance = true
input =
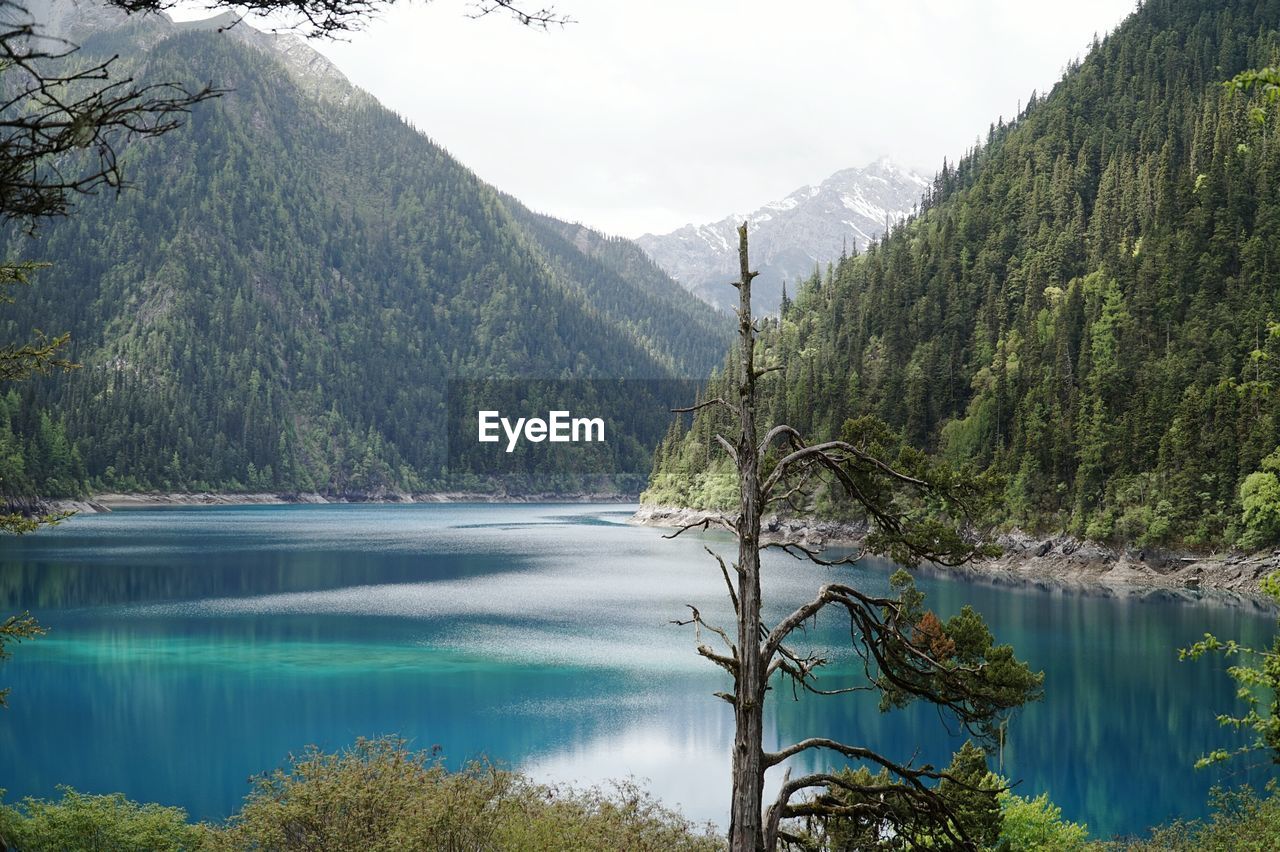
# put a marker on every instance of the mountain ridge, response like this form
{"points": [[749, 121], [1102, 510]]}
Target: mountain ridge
{"points": [[282, 300], [792, 236]]}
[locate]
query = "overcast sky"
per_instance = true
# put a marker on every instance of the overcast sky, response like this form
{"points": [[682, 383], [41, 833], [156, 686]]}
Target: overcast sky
{"points": [[645, 115]]}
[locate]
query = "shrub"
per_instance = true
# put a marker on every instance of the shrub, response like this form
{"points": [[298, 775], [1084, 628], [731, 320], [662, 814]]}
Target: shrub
{"points": [[378, 795], [1037, 824], [1260, 497], [83, 823]]}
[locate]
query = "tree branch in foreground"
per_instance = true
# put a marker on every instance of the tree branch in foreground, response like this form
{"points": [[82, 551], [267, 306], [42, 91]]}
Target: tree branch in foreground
{"points": [[917, 510]]}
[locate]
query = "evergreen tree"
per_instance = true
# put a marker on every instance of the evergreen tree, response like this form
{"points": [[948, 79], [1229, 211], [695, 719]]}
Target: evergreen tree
{"points": [[1082, 304]]}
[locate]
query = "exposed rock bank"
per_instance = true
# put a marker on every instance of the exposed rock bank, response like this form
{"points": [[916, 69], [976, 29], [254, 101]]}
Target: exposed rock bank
{"points": [[33, 506], [1066, 556], [1060, 560]]}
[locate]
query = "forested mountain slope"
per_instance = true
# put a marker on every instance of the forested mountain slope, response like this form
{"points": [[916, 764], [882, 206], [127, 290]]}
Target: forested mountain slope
{"points": [[280, 300], [1082, 304]]}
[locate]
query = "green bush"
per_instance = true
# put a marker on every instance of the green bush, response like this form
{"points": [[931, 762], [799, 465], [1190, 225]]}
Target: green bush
{"points": [[378, 795], [715, 490], [82, 823], [1260, 497], [1036, 824]]}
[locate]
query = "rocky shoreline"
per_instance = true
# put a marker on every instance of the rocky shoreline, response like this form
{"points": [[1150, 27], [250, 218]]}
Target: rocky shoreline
{"points": [[1055, 560]]}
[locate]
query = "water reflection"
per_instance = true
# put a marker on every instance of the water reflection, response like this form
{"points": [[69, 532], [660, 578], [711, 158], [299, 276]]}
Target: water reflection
{"points": [[192, 648]]}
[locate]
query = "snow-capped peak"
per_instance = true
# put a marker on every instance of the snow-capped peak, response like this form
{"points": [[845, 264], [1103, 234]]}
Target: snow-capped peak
{"points": [[792, 235]]}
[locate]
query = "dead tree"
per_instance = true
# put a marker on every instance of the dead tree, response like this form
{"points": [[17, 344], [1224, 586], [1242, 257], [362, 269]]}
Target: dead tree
{"points": [[917, 510]]}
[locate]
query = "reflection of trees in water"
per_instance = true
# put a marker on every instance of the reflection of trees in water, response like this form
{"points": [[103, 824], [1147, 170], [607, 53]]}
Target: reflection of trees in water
{"points": [[39, 584], [1116, 718]]}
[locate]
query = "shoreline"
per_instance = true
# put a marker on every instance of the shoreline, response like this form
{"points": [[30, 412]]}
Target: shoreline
{"points": [[1058, 560], [100, 503]]}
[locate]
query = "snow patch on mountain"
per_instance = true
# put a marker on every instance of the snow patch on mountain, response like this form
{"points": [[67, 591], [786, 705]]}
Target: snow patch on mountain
{"points": [[790, 237]]}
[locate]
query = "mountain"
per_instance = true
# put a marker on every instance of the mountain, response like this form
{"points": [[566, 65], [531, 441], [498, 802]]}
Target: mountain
{"points": [[1082, 305], [295, 285], [98, 27], [791, 238]]}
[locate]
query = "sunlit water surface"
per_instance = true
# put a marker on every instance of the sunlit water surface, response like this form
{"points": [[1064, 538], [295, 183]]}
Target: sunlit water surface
{"points": [[192, 648]]}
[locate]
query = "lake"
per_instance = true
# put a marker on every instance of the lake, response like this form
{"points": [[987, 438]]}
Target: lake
{"points": [[192, 648]]}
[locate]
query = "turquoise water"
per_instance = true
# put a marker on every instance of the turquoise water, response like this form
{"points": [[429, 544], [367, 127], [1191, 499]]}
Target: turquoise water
{"points": [[192, 648]]}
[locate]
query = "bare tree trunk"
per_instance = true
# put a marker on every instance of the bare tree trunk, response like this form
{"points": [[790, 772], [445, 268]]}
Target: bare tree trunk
{"points": [[888, 634], [745, 827]]}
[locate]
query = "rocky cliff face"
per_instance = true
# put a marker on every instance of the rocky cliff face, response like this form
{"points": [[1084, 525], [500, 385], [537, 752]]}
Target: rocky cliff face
{"points": [[790, 237], [313, 73], [76, 20], [80, 22]]}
